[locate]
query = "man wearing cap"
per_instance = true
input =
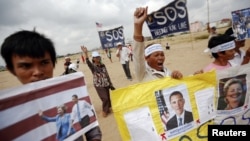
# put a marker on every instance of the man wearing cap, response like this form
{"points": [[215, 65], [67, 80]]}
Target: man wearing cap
{"points": [[123, 53], [241, 56], [153, 54], [72, 68], [67, 61], [101, 80]]}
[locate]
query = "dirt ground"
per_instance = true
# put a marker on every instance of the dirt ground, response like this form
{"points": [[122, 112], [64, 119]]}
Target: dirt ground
{"points": [[187, 56]]}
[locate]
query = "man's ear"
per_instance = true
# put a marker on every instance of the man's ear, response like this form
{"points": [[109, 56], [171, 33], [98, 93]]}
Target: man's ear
{"points": [[183, 100], [146, 57], [11, 70], [221, 54]]}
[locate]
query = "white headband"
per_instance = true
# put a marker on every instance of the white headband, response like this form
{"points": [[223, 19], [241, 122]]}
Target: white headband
{"points": [[223, 47], [153, 48]]}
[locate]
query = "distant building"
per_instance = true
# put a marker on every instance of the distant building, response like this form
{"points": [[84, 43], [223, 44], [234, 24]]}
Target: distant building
{"points": [[221, 23], [196, 26], [224, 23]]}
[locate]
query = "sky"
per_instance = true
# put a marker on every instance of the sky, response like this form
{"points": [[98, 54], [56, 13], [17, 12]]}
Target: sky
{"points": [[71, 23]]}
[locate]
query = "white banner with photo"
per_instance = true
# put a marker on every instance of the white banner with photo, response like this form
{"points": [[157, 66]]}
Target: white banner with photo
{"points": [[20, 106], [202, 97], [233, 96]]}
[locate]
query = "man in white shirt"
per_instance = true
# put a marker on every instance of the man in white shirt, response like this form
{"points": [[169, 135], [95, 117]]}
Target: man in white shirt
{"points": [[123, 53], [82, 111]]}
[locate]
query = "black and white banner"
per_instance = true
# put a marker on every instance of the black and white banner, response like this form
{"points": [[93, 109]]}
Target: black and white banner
{"points": [[170, 19], [110, 38]]}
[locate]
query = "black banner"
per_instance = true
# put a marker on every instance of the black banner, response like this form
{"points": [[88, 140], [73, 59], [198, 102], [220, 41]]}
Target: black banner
{"points": [[110, 38], [170, 19]]}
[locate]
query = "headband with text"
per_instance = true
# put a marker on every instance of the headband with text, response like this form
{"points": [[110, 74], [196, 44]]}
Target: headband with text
{"points": [[223, 47], [153, 48]]}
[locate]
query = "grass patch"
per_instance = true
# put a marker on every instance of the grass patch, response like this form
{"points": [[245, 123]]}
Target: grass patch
{"points": [[201, 37]]}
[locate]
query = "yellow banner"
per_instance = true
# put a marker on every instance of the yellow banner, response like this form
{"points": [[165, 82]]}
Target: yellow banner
{"points": [[142, 111]]}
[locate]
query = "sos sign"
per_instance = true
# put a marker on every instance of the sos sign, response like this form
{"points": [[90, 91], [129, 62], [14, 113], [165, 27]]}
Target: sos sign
{"points": [[169, 19], [110, 38]]}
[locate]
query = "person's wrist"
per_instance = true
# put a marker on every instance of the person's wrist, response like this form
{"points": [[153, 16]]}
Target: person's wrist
{"points": [[138, 32], [138, 38]]}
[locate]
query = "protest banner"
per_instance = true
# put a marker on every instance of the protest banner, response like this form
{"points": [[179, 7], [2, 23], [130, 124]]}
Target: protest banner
{"points": [[139, 108], [233, 106], [143, 111], [241, 23], [19, 108], [170, 19], [110, 38]]}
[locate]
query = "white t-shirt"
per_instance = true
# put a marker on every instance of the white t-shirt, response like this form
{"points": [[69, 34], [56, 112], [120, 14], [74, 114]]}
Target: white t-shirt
{"points": [[124, 54], [238, 58], [85, 109]]}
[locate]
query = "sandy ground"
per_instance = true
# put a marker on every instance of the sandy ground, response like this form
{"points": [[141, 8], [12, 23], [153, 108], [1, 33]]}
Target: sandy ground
{"points": [[187, 57]]}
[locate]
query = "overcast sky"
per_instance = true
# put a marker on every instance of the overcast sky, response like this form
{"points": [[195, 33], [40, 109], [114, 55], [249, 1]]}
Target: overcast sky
{"points": [[71, 23]]}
